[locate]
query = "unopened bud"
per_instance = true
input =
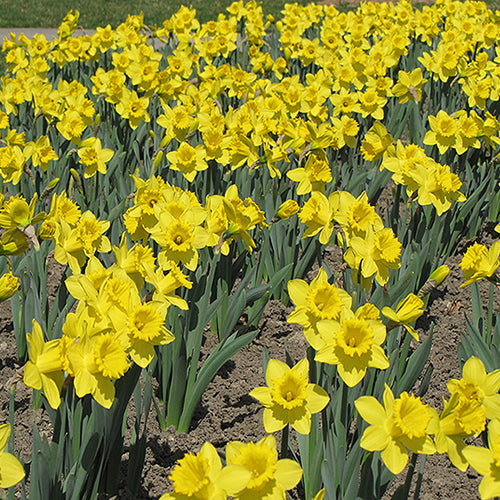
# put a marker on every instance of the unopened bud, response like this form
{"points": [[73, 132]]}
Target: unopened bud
{"points": [[8, 286], [287, 209]]}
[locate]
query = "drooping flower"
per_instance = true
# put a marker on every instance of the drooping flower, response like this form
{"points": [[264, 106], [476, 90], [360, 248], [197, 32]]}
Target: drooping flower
{"points": [[408, 310]]}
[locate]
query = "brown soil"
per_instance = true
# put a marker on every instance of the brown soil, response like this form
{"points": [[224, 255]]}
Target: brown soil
{"points": [[227, 412]]}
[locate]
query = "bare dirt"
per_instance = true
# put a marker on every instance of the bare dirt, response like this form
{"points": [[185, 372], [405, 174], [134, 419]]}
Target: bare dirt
{"points": [[227, 412]]}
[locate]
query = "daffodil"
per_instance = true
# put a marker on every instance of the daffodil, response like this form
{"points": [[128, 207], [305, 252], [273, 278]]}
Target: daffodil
{"points": [[269, 477], [408, 310], [480, 262], [196, 476], [443, 131], [289, 398], [314, 302], [400, 425], [462, 417], [11, 470], [486, 461], [353, 343], [378, 252], [44, 368], [93, 156], [317, 214], [477, 384]]}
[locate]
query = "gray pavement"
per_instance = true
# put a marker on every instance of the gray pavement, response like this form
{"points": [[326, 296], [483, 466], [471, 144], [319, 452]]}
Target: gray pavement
{"points": [[50, 33]]}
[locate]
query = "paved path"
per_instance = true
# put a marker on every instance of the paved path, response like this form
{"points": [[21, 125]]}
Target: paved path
{"points": [[49, 33]]}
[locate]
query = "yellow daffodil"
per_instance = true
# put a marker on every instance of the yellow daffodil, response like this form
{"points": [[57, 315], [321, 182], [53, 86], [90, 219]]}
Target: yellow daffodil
{"points": [[188, 159], [408, 310], [314, 302], [462, 417], [477, 384], [409, 86], [93, 156], [480, 262], [196, 476], [317, 214], [269, 477], [443, 131], [44, 368], [403, 424], [313, 176], [378, 252], [11, 470], [353, 343], [287, 209], [486, 461], [289, 398]]}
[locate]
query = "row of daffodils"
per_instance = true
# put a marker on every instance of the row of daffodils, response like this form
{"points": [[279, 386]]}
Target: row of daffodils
{"points": [[183, 175]]}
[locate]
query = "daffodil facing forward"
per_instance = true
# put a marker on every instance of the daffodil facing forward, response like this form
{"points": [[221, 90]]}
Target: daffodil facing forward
{"points": [[289, 398], [194, 476], [269, 477], [353, 343], [403, 424]]}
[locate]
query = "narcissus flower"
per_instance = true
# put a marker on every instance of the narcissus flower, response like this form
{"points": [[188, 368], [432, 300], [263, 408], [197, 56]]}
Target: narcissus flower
{"points": [[487, 462], [403, 424], [479, 385], [480, 262], [353, 343], [11, 470], [44, 368], [314, 302], [269, 477], [195, 476], [287, 209], [93, 156], [443, 131], [408, 310], [289, 397], [377, 252]]}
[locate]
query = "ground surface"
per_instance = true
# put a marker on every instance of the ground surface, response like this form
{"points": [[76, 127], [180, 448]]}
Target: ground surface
{"points": [[228, 413]]}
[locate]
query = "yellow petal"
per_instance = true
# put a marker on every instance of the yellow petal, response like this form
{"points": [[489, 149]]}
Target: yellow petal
{"points": [[262, 395], [11, 470], [371, 410], [375, 438], [275, 369], [288, 473], [317, 398], [395, 456]]}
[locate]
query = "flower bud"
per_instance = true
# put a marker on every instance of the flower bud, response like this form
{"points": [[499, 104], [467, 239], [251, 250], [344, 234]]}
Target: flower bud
{"points": [[440, 274], [287, 209], [8, 286]]}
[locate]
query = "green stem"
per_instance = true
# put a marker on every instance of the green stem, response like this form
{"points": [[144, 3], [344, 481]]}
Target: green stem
{"points": [[284, 441]]}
